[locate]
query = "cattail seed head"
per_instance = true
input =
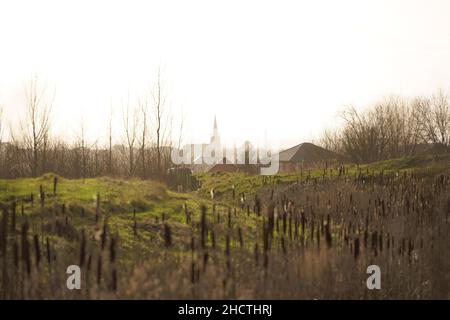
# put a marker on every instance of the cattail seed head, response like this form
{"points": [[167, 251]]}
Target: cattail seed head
{"points": [[167, 235], [37, 250]]}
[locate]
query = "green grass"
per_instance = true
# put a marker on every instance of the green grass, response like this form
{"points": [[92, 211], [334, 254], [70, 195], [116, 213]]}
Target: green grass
{"points": [[119, 199], [223, 182], [431, 162], [151, 200], [84, 190]]}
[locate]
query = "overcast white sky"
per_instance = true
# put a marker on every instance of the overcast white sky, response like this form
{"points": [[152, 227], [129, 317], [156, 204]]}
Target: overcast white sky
{"points": [[281, 67]]}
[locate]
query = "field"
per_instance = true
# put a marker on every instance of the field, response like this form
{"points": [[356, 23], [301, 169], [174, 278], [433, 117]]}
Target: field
{"points": [[305, 235]]}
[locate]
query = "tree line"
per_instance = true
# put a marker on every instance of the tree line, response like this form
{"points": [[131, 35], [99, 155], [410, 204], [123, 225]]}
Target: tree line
{"points": [[391, 128], [144, 150]]}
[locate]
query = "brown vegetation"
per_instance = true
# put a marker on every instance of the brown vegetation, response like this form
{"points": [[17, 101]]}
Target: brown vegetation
{"points": [[313, 238], [391, 128]]}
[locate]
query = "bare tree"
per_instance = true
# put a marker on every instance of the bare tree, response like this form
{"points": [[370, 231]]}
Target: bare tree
{"points": [[163, 127], [130, 121], [81, 145], [331, 140], [441, 117], [145, 151], [1, 125], [389, 129], [433, 118], [159, 102], [143, 139], [96, 165], [181, 132], [36, 127], [110, 151], [2, 152]]}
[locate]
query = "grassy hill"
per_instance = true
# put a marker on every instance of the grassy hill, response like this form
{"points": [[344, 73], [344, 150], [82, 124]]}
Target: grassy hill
{"points": [[224, 182], [137, 238], [432, 163]]}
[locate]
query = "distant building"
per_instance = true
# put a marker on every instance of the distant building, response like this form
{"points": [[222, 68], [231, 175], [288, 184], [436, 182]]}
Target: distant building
{"points": [[305, 155], [243, 159], [197, 150], [215, 138]]}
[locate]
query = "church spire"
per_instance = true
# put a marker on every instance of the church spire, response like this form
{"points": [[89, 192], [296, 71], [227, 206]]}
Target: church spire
{"points": [[215, 137]]}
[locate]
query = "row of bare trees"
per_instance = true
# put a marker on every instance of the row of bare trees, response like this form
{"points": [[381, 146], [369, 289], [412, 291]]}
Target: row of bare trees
{"points": [[144, 150], [393, 127]]}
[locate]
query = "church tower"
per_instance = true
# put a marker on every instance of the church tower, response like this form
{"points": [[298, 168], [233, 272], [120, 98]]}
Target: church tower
{"points": [[215, 139]]}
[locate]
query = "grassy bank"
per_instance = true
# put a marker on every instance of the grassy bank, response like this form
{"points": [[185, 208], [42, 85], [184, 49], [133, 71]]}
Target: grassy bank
{"points": [[307, 234]]}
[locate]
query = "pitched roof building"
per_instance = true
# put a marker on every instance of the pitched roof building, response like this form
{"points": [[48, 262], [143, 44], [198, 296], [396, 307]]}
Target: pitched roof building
{"points": [[304, 154]]}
